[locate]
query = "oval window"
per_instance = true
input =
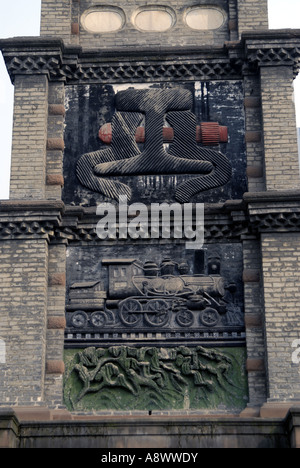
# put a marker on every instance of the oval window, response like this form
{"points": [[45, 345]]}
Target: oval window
{"points": [[154, 19], [103, 20], [204, 19]]}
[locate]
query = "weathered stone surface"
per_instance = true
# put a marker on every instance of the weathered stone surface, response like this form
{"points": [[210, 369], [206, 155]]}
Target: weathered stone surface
{"points": [[179, 378]]}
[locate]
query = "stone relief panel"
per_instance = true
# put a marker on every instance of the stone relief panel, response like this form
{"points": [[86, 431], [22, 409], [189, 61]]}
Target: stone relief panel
{"points": [[152, 324], [179, 378], [154, 295], [155, 142]]}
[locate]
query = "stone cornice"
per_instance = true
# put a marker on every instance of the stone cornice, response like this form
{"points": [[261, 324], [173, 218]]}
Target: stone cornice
{"points": [[273, 48], [30, 219], [71, 224], [30, 56], [274, 211], [50, 56], [231, 221]]}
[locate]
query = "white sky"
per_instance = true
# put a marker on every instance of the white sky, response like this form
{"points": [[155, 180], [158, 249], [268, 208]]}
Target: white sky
{"points": [[22, 18]]}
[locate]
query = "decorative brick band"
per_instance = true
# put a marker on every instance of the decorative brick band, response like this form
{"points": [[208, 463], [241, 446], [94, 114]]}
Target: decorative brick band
{"points": [[255, 365], [57, 279], [55, 144], [56, 109], [251, 276], [57, 323], [55, 367], [55, 179]]}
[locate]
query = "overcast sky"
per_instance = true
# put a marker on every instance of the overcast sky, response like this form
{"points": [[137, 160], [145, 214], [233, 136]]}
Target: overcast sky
{"points": [[22, 18]]}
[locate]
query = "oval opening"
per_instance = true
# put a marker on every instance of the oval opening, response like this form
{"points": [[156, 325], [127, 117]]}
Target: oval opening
{"points": [[99, 21], [154, 20], [204, 19]]}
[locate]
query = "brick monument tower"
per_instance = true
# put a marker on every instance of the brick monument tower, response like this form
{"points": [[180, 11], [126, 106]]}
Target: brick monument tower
{"points": [[119, 322]]}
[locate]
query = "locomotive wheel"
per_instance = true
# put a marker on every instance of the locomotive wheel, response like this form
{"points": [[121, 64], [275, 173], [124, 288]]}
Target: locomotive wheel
{"points": [[130, 312], [157, 314], [98, 319], [79, 319], [185, 318], [209, 317]]}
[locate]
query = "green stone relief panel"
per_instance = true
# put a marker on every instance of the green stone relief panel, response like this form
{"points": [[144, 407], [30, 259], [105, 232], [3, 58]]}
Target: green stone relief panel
{"points": [[128, 378]]}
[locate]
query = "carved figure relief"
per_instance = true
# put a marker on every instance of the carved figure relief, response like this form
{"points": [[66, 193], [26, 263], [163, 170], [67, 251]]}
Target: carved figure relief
{"points": [[126, 378], [102, 170]]}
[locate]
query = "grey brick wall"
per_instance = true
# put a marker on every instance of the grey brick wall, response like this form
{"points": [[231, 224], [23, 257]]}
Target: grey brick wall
{"points": [[281, 258], [23, 298], [56, 18], [254, 134], [252, 15], [279, 127], [65, 21], [55, 324], [29, 138], [254, 316]]}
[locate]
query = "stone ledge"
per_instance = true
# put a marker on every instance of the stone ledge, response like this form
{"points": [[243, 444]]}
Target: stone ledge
{"points": [[23, 206], [293, 426], [9, 429], [158, 432], [272, 196], [41, 427]]}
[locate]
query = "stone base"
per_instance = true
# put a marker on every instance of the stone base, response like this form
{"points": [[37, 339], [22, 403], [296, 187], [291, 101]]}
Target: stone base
{"points": [[280, 410], [9, 429], [293, 427], [39, 428]]}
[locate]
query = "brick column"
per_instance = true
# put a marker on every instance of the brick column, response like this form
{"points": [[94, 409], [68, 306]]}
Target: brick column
{"points": [[281, 258], [24, 284], [279, 126], [28, 160], [23, 298], [56, 324], [252, 15], [56, 18], [253, 291], [55, 141]]}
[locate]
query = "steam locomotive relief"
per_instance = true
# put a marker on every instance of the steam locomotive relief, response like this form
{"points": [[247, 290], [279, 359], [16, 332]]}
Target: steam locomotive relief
{"points": [[148, 295]]}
